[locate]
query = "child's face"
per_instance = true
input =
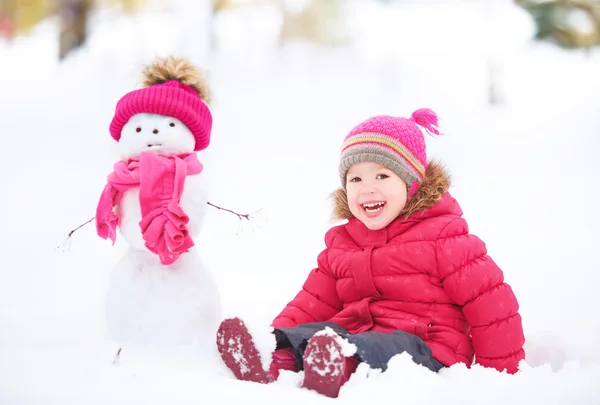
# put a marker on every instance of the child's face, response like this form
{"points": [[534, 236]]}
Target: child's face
{"points": [[376, 195]]}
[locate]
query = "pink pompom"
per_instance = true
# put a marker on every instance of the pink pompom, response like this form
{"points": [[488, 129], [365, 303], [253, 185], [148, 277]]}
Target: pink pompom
{"points": [[427, 119]]}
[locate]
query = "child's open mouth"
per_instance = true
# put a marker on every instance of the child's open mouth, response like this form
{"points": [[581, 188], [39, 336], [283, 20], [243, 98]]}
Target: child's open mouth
{"points": [[373, 207]]}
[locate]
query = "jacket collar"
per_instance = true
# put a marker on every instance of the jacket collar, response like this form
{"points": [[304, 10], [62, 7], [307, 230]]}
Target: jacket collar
{"points": [[365, 237]]}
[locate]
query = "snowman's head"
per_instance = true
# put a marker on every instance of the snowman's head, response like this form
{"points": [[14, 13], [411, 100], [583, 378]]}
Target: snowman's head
{"points": [[169, 114], [160, 133]]}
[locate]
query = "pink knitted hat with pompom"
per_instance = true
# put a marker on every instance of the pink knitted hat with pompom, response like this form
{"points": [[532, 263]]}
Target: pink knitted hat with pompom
{"points": [[394, 142], [171, 98]]}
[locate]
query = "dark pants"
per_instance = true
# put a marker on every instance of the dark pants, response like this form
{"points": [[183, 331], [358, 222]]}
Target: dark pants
{"points": [[373, 348]]}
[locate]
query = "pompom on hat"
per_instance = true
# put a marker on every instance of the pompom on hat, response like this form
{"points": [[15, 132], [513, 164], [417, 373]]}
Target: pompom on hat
{"points": [[173, 87], [394, 142]]}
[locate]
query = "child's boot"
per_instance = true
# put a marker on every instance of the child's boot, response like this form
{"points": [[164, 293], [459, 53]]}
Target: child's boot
{"points": [[239, 353], [283, 359], [328, 363]]}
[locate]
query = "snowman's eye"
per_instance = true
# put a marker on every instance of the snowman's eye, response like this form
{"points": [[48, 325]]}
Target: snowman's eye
{"points": [[172, 124], [138, 129]]}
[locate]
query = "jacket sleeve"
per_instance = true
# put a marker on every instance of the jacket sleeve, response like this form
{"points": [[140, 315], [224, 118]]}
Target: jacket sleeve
{"points": [[474, 281], [317, 301]]}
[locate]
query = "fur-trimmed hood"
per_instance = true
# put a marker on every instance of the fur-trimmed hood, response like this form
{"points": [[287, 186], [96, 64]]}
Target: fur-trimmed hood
{"points": [[434, 185]]}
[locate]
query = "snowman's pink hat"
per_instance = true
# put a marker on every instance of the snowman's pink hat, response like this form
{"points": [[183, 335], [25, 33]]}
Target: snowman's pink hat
{"points": [[171, 98]]}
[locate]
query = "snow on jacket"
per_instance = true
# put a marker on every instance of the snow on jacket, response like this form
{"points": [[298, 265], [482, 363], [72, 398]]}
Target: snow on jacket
{"points": [[424, 274]]}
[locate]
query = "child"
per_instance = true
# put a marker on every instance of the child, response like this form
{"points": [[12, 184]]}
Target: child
{"points": [[402, 275]]}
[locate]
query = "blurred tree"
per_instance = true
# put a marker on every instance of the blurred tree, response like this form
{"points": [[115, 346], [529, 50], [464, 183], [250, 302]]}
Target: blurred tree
{"points": [[319, 21], [127, 6], [219, 6], [7, 17], [18, 16], [568, 23], [24, 14], [130, 6], [7, 29], [73, 18], [494, 60], [316, 21]]}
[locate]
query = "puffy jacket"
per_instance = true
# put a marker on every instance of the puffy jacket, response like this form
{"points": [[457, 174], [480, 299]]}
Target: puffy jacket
{"points": [[424, 274]]}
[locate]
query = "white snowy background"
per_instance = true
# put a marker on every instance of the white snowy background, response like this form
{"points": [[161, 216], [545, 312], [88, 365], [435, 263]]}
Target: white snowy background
{"points": [[525, 173]]}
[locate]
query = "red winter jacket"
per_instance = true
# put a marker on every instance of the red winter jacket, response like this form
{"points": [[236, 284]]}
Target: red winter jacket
{"points": [[425, 275]]}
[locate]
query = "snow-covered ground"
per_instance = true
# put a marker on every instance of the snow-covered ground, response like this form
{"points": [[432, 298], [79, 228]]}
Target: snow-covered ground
{"points": [[525, 173]]}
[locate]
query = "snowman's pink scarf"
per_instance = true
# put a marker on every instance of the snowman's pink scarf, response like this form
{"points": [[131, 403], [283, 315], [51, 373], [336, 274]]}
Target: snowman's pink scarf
{"points": [[161, 180]]}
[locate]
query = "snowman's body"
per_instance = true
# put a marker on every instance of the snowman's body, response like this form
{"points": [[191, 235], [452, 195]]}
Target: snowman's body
{"points": [[193, 202], [148, 302]]}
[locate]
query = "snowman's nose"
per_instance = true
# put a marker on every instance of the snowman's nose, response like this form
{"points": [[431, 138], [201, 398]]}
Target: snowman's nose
{"points": [[155, 131]]}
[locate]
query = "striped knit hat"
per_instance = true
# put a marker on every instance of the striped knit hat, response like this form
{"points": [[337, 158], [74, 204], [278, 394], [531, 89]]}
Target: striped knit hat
{"points": [[394, 142]]}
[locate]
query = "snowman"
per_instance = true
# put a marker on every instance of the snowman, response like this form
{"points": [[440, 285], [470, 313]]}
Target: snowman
{"points": [[160, 292]]}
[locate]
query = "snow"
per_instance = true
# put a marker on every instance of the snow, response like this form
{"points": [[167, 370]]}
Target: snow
{"points": [[582, 21], [264, 340], [348, 349], [524, 172]]}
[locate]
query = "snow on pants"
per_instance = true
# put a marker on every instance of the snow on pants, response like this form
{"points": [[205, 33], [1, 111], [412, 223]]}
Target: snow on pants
{"points": [[373, 348]]}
